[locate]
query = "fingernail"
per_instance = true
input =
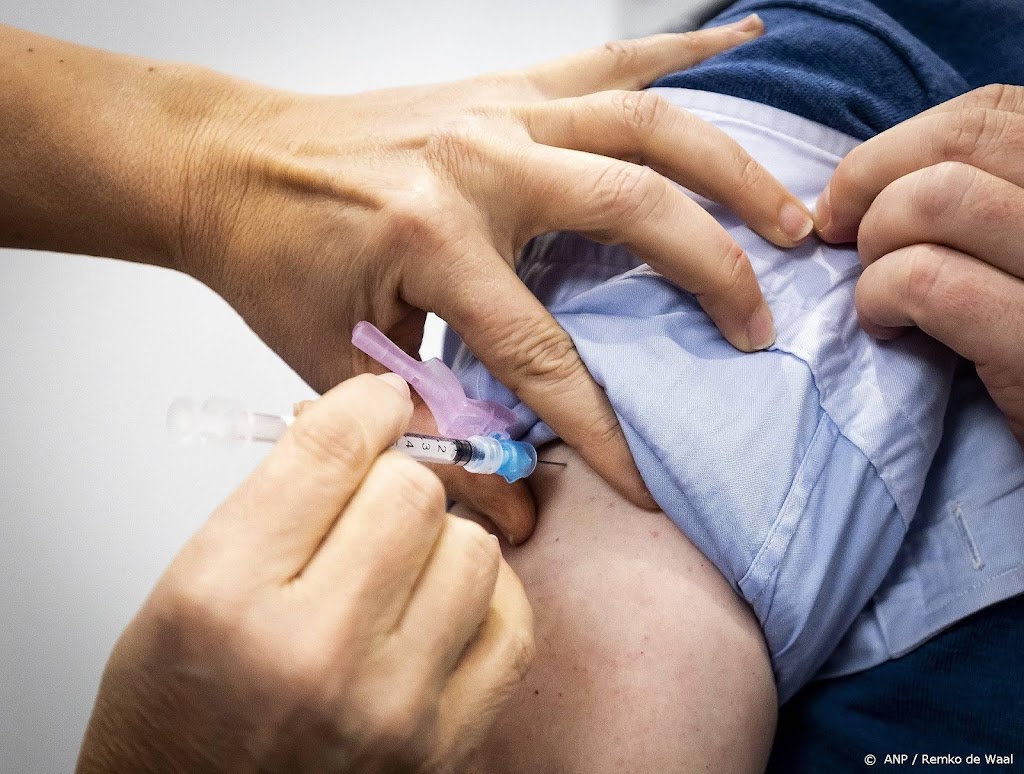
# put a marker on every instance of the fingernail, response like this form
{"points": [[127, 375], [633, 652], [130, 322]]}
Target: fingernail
{"points": [[749, 24], [795, 223], [761, 328], [396, 382], [823, 211]]}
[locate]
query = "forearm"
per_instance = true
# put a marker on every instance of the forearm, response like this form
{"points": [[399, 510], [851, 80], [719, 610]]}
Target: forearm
{"points": [[95, 148]]}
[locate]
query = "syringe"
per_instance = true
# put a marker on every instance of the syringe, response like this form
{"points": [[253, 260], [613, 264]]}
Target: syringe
{"points": [[227, 421]]}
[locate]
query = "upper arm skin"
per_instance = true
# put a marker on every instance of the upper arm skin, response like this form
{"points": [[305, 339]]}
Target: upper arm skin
{"points": [[646, 661]]}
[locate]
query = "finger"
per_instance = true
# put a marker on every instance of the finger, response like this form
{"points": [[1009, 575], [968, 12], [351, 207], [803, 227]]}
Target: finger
{"points": [[378, 548], [492, 667], [617, 202], [995, 96], [633, 64], [949, 204], [974, 308], [971, 306], [285, 508], [510, 507], [991, 140], [504, 324], [452, 597], [642, 127]]}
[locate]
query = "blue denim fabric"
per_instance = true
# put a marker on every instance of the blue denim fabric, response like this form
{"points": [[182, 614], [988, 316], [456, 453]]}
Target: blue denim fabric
{"points": [[981, 39], [862, 67]]}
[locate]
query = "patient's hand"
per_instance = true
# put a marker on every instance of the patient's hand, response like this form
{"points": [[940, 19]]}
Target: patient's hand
{"points": [[310, 213], [936, 205]]}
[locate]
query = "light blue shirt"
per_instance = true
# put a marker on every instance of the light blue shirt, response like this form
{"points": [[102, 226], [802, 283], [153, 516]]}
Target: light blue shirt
{"points": [[855, 505]]}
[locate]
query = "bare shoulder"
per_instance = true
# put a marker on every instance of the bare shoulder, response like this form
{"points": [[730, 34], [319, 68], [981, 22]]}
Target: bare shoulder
{"points": [[647, 660]]}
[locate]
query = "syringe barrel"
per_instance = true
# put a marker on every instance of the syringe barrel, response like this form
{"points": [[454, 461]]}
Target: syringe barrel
{"points": [[434, 449]]}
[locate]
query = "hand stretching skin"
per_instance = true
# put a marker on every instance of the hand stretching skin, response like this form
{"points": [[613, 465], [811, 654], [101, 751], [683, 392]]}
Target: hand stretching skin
{"points": [[330, 616], [936, 205], [310, 213]]}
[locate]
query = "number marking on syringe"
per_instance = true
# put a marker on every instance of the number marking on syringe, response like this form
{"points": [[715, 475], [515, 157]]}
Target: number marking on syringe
{"points": [[429, 448]]}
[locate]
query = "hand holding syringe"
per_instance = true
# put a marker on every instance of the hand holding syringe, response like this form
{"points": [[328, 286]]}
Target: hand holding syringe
{"points": [[227, 421]]}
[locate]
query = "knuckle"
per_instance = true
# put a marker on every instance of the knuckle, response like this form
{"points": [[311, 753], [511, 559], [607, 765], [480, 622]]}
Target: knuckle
{"points": [[989, 204], [991, 95], [624, 54], [641, 111], [932, 287], [540, 351], [417, 216], [922, 276], [732, 272], [602, 431], [973, 132], [456, 144], [1012, 137], [997, 96], [939, 191], [750, 175], [627, 192]]}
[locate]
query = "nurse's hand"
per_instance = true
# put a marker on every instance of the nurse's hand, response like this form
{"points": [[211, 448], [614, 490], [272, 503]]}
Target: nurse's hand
{"points": [[310, 213], [330, 616], [936, 205]]}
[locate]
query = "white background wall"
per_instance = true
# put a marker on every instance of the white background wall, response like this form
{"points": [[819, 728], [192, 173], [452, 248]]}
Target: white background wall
{"points": [[94, 499]]}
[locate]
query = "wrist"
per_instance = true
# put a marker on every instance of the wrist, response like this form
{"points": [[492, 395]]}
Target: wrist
{"points": [[109, 155], [216, 120]]}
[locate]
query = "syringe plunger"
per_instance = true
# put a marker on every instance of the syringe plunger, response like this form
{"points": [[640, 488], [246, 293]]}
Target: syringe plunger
{"points": [[221, 420]]}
